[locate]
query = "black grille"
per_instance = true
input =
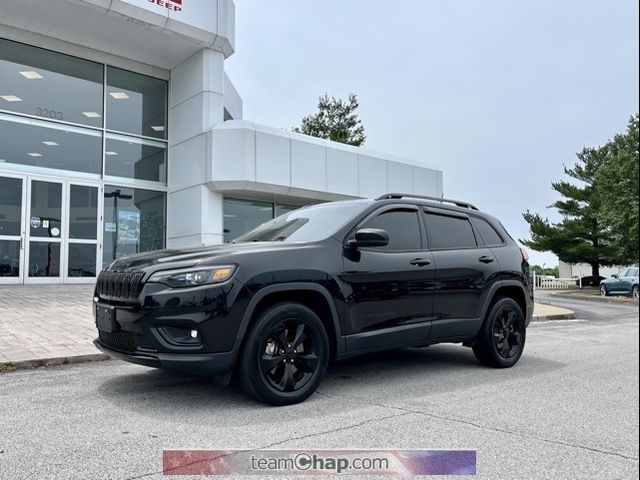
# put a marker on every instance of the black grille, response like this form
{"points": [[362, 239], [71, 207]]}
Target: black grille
{"points": [[126, 341], [119, 284], [119, 340], [143, 342]]}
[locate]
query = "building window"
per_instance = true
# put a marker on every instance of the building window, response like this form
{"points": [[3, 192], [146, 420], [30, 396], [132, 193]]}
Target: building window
{"points": [[134, 222], [51, 85], [136, 158], [36, 143], [240, 216], [136, 104]]}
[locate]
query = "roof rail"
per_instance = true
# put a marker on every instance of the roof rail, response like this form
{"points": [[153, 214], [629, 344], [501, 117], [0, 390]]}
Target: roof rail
{"points": [[457, 203]]}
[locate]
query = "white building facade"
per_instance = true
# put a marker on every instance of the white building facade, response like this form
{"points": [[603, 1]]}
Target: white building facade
{"points": [[121, 133]]}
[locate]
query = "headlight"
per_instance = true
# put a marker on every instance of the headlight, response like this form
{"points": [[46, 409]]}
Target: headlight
{"points": [[193, 277]]}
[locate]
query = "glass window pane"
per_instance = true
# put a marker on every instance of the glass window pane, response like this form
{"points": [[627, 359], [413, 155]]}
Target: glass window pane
{"points": [[10, 205], [241, 216], [9, 258], [136, 103], [282, 209], [44, 259], [82, 260], [83, 212], [49, 145], [134, 222], [135, 158], [403, 229], [46, 209], [487, 232], [449, 232], [49, 84]]}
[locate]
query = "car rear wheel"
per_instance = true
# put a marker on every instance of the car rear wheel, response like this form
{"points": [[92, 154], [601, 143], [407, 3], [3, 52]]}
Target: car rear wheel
{"points": [[502, 337], [603, 291], [285, 355]]}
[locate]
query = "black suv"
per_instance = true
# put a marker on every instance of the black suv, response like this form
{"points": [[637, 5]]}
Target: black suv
{"points": [[321, 283]]}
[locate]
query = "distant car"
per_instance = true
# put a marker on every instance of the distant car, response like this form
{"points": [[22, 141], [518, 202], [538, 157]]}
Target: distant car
{"points": [[590, 281], [623, 283]]}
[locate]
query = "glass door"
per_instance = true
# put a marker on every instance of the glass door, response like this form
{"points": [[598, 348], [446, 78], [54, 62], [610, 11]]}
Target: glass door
{"points": [[82, 234], [12, 228], [43, 256]]}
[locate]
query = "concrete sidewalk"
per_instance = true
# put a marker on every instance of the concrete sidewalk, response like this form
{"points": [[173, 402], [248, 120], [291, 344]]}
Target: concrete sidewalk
{"points": [[43, 325]]}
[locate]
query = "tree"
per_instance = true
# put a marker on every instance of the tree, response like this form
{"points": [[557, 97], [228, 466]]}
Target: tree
{"points": [[336, 120], [617, 182], [581, 236]]}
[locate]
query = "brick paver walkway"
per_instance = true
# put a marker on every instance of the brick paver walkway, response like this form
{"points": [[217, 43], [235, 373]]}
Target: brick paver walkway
{"points": [[45, 321]]}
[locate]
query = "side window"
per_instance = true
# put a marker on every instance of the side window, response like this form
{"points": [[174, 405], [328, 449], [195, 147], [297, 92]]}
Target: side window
{"points": [[402, 226], [487, 232], [449, 232]]}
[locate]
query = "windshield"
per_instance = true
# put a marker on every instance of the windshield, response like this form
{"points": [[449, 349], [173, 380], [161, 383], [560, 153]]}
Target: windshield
{"points": [[308, 224]]}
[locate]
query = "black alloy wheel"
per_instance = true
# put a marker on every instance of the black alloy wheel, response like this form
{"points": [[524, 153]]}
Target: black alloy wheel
{"points": [[288, 357], [285, 356], [501, 340]]}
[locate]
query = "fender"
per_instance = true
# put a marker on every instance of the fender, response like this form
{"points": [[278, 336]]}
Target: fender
{"points": [[291, 286], [492, 292]]}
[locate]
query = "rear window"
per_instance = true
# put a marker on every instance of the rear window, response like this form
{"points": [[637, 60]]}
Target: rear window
{"points": [[487, 232], [449, 232]]}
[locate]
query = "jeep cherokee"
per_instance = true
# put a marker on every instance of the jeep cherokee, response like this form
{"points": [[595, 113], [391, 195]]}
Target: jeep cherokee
{"points": [[318, 284]]}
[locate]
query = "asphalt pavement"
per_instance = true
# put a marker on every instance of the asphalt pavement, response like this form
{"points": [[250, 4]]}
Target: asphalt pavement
{"points": [[569, 409]]}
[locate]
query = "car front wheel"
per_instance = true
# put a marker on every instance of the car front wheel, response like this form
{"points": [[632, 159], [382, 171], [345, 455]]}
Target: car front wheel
{"points": [[285, 355], [635, 292], [501, 339], [603, 291]]}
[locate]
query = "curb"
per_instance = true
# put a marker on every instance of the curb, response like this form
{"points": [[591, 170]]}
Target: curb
{"points": [[52, 362], [557, 316], [595, 298]]}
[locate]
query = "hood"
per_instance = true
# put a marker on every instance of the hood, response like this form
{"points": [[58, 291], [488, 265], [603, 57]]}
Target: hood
{"points": [[187, 257]]}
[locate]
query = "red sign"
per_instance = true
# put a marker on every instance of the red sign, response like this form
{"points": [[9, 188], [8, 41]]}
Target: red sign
{"points": [[173, 5]]}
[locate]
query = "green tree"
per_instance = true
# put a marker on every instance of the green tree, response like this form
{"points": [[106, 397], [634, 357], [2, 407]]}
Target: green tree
{"points": [[581, 236], [617, 182], [336, 120]]}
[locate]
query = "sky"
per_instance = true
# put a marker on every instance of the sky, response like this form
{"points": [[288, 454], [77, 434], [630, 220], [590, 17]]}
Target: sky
{"points": [[499, 95]]}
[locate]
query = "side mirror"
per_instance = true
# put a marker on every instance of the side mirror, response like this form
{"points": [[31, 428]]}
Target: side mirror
{"points": [[369, 237], [614, 275]]}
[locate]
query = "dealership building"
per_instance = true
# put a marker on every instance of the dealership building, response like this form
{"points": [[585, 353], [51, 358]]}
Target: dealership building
{"points": [[121, 133]]}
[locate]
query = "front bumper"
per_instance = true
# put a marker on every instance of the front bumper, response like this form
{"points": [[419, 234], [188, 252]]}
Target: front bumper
{"points": [[192, 363]]}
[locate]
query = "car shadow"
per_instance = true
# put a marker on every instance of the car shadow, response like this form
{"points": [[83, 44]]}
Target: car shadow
{"points": [[353, 384]]}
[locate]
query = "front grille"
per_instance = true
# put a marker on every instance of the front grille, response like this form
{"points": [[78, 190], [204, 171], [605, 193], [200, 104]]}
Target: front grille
{"points": [[126, 341], [119, 284], [119, 340]]}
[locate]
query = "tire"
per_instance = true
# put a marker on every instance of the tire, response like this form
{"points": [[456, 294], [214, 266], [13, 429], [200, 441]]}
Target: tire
{"points": [[603, 291], [488, 348], [291, 339], [635, 292]]}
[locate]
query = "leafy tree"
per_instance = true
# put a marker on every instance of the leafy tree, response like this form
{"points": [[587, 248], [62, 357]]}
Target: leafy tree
{"points": [[552, 271], [581, 236], [617, 182], [336, 120]]}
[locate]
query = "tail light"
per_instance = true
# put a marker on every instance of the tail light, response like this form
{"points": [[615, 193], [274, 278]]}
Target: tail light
{"points": [[525, 254]]}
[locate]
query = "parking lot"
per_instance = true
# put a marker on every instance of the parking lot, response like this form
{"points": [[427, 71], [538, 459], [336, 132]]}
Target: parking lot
{"points": [[569, 409]]}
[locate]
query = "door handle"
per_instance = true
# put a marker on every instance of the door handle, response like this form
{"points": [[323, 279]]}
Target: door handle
{"points": [[420, 262], [486, 259]]}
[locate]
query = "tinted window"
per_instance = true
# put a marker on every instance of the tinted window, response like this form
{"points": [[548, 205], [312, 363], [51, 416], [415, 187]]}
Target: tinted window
{"points": [[136, 103], [487, 232], [449, 232], [402, 226], [49, 84]]}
